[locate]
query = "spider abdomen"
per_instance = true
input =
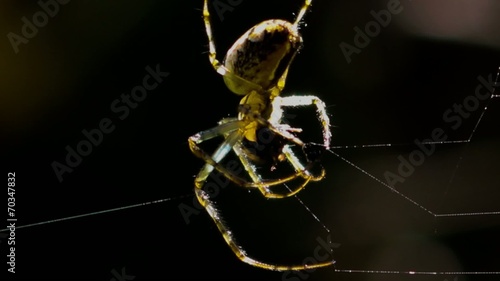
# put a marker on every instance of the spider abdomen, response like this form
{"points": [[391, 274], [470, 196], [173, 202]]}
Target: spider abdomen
{"points": [[262, 55]]}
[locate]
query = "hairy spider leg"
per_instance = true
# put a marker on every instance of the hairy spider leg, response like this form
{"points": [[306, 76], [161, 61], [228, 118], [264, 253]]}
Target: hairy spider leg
{"points": [[230, 129], [276, 116], [204, 200], [289, 154], [302, 12], [299, 168], [296, 101], [232, 136]]}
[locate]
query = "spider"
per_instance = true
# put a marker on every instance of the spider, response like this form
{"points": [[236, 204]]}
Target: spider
{"points": [[256, 67]]}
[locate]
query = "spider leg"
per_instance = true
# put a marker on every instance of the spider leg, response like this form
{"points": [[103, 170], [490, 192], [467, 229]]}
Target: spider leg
{"points": [[284, 131], [229, 128], [262, 185], [296, 101], [301, 170], [281, 82], [227, 120], [302, 12], [296, 163], [204, 200], [274, 125]]}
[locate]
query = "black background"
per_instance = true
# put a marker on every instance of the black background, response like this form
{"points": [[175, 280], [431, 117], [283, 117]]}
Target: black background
{"points": [[394, 91]]}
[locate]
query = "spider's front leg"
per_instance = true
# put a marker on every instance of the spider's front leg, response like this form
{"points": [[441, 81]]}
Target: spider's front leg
{"points": [[297, 101], [313, 152], [286, 132]]}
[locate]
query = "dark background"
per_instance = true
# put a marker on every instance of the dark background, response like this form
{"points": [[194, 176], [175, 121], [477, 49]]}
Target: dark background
{"points": [[394, 91]]}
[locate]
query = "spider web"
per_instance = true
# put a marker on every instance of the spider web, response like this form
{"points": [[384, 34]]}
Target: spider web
{"points": [[457, 202]]}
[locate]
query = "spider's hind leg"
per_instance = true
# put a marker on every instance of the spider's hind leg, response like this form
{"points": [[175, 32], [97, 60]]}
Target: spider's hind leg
{"points": [[312, 151], [302, 12], [204, 200], [229, 129]]}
